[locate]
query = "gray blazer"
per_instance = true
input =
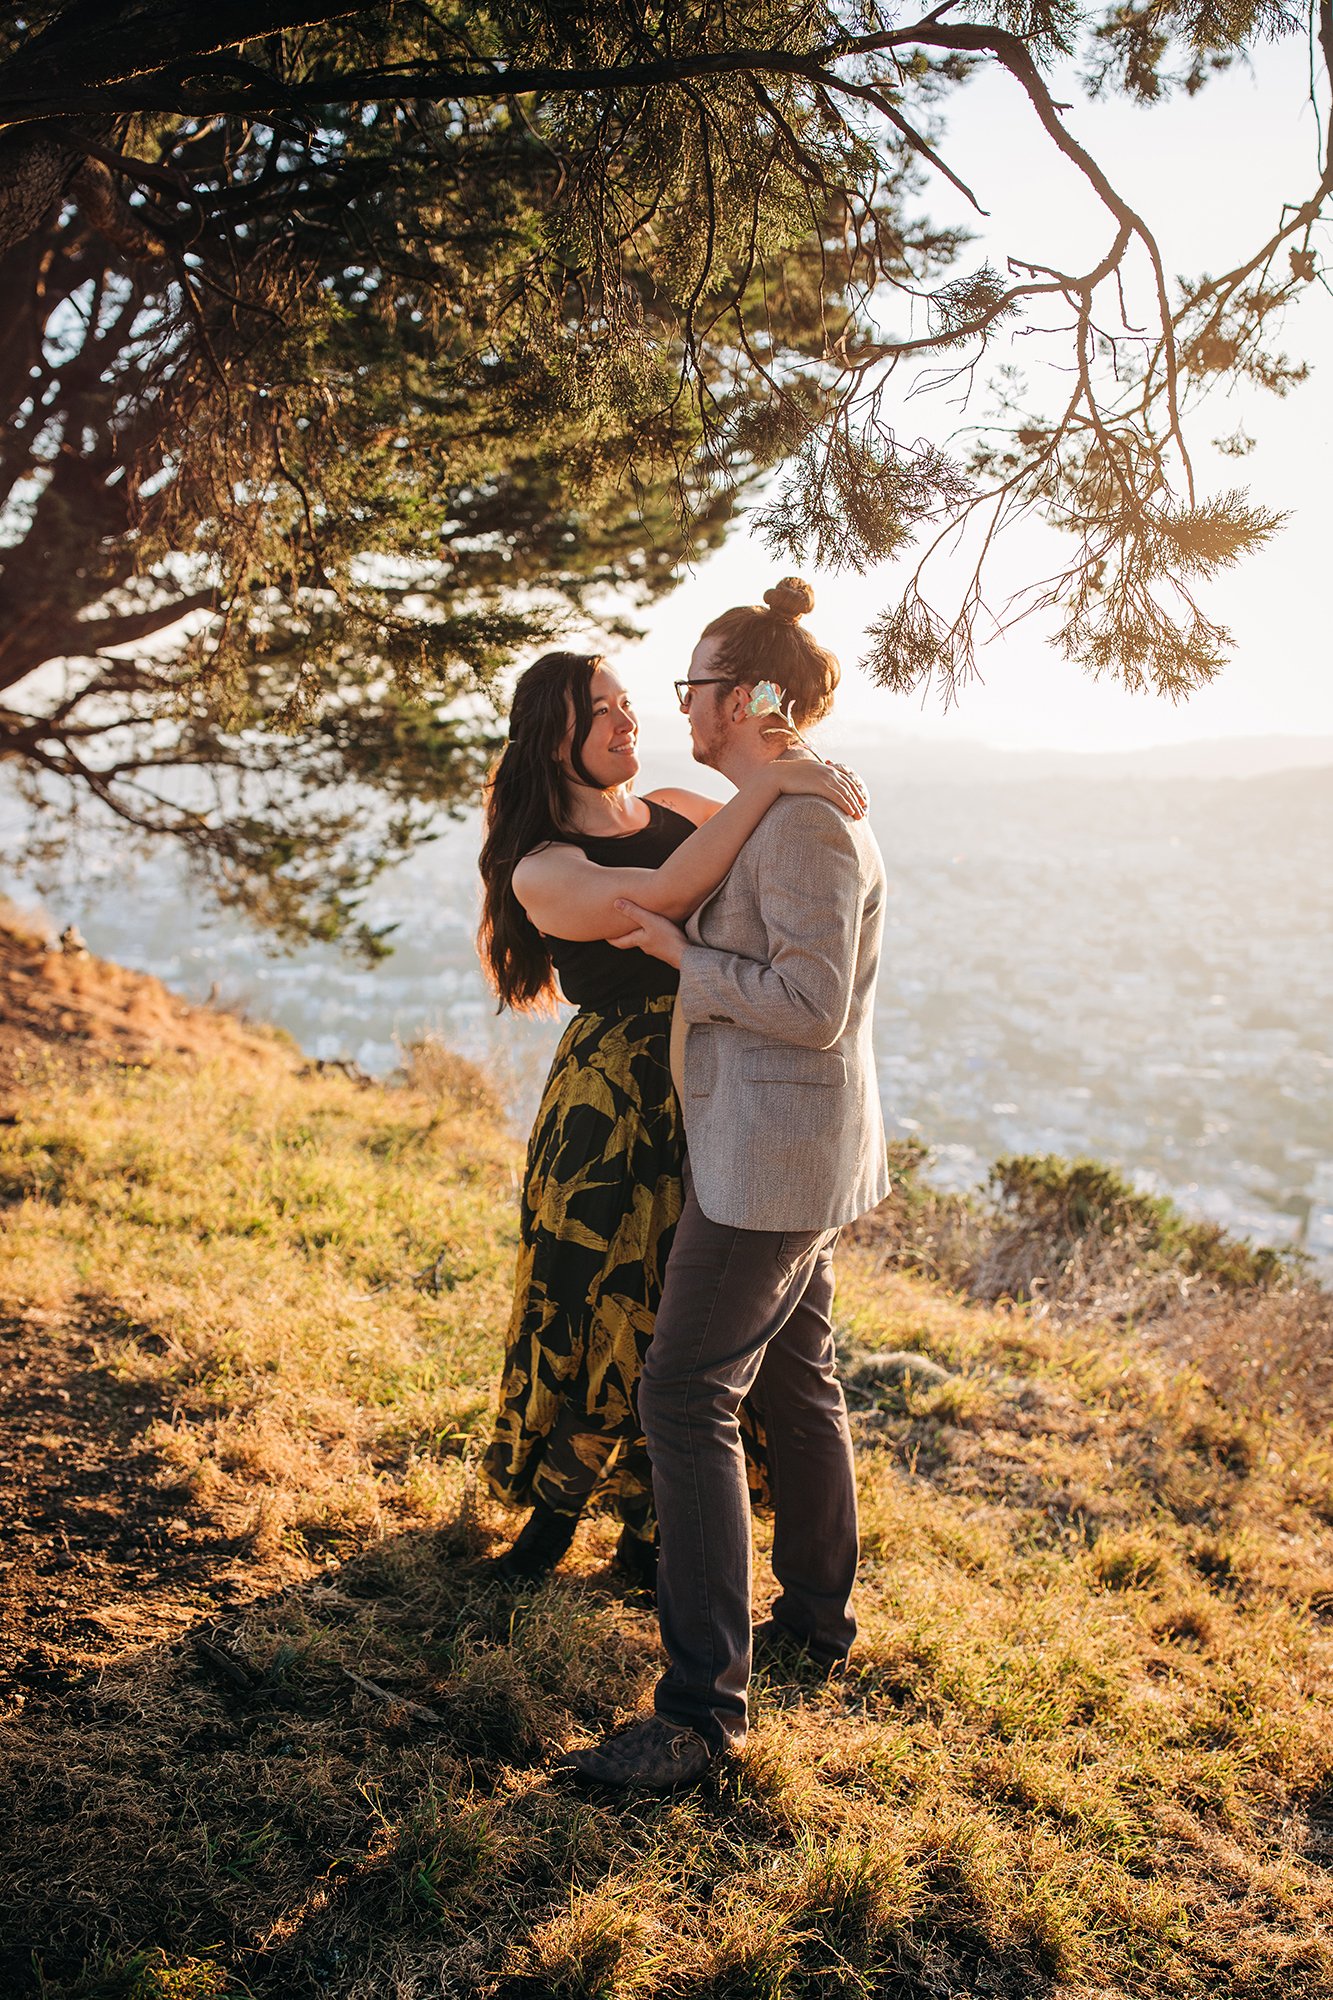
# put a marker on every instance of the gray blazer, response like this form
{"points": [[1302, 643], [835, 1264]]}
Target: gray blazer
{"points": [[777, 987]]}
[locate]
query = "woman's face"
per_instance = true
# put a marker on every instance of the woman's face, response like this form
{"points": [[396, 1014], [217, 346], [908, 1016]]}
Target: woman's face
{"points": [[610, 750]]}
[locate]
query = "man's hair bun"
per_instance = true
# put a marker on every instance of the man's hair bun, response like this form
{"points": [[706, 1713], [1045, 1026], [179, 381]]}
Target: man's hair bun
{"points": [[767, 642], [791, 597]]}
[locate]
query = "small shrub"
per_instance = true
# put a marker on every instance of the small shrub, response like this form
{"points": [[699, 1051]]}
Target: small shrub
{"points": [[437, 1071], [1061, 1224], [1074, 1234], [919, 1227]]}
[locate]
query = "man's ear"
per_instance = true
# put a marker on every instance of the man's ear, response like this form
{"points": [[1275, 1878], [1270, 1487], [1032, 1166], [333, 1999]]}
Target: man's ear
{"points": [[740, 702]]}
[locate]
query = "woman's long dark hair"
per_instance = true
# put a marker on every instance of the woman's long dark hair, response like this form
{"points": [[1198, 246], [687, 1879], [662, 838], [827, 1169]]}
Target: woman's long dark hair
{"points": [[526, 805]]}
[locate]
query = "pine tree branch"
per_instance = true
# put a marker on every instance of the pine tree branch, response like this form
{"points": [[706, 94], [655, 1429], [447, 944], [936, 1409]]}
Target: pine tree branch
{"points": [[81, 638], [120, 45], [227, 84]]}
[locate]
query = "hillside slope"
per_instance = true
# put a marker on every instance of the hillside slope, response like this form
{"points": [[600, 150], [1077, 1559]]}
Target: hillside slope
{"points": [[69, 1009], [269, 1731]]}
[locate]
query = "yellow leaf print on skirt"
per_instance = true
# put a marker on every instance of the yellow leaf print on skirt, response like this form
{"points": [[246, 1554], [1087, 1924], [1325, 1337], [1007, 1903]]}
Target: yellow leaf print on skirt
{"points": [[601, 1199]]}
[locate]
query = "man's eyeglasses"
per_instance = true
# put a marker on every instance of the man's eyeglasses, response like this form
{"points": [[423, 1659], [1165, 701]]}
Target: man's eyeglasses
{"points": [[685, 689]]}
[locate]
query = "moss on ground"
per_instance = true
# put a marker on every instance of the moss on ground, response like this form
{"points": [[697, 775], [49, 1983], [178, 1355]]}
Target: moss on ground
{"points": [[271, 1733]]}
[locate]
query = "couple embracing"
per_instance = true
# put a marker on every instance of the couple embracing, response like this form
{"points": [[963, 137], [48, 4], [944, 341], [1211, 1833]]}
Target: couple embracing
{"points": [[710, 1121]]}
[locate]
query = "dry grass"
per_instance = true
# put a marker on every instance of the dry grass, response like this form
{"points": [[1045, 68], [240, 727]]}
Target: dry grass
{"points": [[297, 1746], [26, 923], [1073, 1240], [1257, 1349], [65, 1014]]}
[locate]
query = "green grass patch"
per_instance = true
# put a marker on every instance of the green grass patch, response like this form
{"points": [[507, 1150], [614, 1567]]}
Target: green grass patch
{"points": [[293, 1743]]}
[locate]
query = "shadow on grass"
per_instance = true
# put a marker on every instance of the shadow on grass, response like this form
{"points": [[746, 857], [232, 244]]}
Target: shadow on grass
{"points": [[223, 1774], [219, 1782], [94, 1545]]}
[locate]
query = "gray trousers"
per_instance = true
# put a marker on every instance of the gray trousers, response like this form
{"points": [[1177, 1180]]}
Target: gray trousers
{"points": [[744, 1312]]}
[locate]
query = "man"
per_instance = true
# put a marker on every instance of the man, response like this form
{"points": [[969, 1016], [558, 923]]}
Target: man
{"points": [[786, 1143]]}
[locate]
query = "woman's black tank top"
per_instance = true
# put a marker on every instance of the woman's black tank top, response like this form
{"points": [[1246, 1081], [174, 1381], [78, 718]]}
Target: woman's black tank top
{"points": [[593, 974]]}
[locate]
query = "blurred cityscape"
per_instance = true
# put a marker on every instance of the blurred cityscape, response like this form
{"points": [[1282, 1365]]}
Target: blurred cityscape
{"points": [[1136, 969]]}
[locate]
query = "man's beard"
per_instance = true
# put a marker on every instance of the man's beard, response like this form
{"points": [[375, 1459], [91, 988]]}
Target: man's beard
{"points": [[706, 749]]}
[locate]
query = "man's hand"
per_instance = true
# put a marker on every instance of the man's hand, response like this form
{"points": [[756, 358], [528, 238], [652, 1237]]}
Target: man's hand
{"points": [[658, 936]]}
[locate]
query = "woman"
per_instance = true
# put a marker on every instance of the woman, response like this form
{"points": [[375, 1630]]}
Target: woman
{"points": [[565, 837]]}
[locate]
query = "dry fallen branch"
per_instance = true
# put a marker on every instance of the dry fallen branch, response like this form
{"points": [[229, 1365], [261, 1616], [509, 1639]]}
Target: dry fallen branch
{"points": [[224, 1663], [416, 1709]]}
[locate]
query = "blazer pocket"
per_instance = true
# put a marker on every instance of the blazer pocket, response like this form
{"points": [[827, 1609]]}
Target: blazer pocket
{"points": [[700, 1061], [779, 1064]]}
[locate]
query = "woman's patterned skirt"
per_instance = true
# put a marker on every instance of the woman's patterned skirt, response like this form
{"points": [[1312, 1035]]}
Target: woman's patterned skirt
{"points": [[601, 1198]]}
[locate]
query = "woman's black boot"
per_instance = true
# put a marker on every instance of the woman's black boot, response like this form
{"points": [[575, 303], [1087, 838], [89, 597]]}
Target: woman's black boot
{"points": [[637, 1561], [541, 1542]]}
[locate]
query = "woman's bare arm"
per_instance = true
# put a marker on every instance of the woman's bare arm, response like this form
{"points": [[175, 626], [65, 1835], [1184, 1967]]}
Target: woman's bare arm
{"points": [[568, 896]]}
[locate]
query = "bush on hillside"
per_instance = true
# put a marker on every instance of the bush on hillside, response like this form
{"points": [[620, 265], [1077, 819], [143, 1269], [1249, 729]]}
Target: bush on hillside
{"points": [[1077, 1229], [1074, 1235], [919, 1227], [456, 1084]]}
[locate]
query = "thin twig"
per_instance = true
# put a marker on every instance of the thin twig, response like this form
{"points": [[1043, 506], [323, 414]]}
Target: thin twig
{"points": [[416, 1709]]}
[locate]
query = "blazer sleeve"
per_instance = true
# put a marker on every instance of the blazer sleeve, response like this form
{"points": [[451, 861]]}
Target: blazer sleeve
{"points": [[807, 876]]}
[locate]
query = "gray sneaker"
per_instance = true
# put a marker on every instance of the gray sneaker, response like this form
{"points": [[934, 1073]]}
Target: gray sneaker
{"points": [[653, 1755]]}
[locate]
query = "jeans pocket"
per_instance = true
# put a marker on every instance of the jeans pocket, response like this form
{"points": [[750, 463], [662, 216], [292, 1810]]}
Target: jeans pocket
{"points": [[797, 1247]]}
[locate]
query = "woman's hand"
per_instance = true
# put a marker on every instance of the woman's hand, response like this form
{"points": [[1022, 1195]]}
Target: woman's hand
{"points": [[656, 935], [810, 779]]}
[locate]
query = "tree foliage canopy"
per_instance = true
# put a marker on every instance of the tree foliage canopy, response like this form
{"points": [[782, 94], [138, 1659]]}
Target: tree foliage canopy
{"points": [[375, 342]]}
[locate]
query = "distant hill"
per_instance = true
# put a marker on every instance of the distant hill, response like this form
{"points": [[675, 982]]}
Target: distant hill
{"points": [[881, 753], [932, 760]]}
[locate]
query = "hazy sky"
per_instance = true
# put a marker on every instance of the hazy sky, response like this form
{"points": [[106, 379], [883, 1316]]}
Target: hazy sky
{"points": [[1211, 177]]}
